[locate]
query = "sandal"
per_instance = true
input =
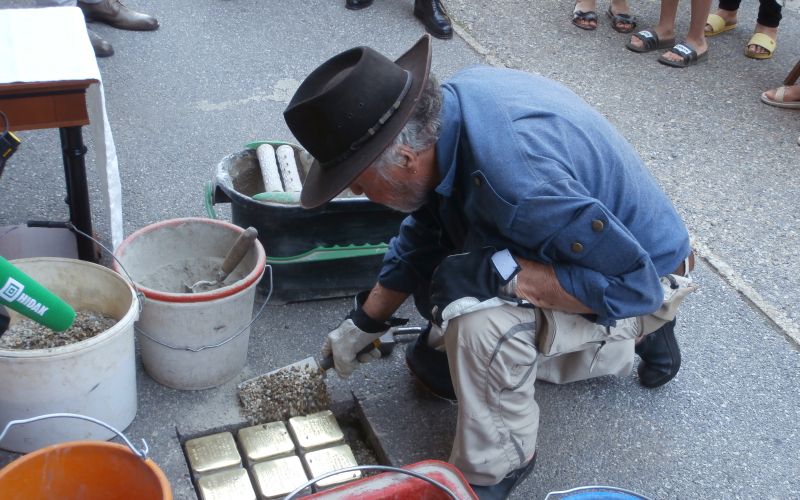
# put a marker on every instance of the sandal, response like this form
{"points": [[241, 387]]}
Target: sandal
{"points": [[617, 20], [579, 15], [763, 41], [689, 56], [779, 101], [718, 25], [650, 42]]}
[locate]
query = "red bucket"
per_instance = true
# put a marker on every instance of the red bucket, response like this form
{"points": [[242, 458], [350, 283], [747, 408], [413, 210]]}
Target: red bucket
{"points": [[399, 486]]}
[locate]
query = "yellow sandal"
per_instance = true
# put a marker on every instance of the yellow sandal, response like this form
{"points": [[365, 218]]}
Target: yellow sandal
{"points": [[763, 41], [718, 25]]}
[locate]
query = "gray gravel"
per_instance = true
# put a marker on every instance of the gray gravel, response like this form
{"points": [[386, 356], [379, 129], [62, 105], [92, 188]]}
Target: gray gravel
{"points": [[26, 334]]}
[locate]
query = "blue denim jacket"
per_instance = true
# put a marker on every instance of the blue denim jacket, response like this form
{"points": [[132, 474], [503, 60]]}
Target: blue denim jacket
{"points": [[528, 165]]}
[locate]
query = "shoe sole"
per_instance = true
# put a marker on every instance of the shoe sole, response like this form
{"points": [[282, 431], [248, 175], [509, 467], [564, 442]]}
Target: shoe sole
{"points": [[777, 104], [662, 45], [723, 30]]}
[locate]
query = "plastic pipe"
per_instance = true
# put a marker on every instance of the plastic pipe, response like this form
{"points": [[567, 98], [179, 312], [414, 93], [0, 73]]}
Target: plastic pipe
{"points": [[23, 294]]}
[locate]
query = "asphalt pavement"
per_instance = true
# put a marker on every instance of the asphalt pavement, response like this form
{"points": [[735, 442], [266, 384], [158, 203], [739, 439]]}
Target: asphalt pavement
{"points": [[218, 74]]}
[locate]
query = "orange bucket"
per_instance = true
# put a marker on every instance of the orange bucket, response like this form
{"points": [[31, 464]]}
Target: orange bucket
{"points": [[89, 470]]}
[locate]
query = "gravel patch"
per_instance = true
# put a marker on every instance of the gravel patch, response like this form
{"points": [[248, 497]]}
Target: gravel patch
{"points": [[26, 334], [286, 393]]}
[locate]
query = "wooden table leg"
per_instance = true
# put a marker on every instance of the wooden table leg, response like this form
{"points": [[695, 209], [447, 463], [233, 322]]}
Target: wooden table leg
{"points": [[73, 151], [791, 78]]}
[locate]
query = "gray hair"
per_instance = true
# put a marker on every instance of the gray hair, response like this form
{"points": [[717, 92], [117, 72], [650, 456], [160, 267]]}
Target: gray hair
{"points": [[420, 133]]}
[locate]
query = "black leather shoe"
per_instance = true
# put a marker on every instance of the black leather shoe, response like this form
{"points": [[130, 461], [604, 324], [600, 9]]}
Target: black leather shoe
{"points": [[430, 367], [501, 490], [661, 357], [434, 17], [357, 4], [100, 46], [114, 13]]}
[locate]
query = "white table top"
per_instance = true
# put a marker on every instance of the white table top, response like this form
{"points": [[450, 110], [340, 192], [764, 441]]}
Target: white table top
{"points": [[44, 45], [52, 44]]}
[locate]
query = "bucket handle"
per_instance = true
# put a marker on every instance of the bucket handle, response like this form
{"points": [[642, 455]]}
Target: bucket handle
{"points": [[219, 344], [140, 453], [139, 293], [208, 200], [140, 299], [384, 468], [586, 489]]}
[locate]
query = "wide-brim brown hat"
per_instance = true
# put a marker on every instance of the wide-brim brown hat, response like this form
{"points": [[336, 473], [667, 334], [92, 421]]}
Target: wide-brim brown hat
{"points": [[349, 109]]}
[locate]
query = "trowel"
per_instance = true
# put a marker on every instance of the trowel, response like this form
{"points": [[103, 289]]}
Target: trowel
{"points": [[232, 259], [385, 344], [311, 369]]}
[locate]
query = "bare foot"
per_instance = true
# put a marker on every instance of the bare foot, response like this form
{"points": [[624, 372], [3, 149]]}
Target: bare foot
{"points": [[585, 6], [730, 17], [770, 32]]}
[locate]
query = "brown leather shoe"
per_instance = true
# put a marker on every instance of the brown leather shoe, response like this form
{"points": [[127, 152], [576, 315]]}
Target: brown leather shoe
{"points": [[101, 47], [114, 13]]}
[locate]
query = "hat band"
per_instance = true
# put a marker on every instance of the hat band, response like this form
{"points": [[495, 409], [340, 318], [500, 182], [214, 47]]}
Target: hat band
{"points": [[356, 145]]}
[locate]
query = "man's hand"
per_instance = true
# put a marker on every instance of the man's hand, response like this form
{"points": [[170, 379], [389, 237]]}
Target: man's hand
{"points": [[344, 343], [353, 335], [467, 279]]}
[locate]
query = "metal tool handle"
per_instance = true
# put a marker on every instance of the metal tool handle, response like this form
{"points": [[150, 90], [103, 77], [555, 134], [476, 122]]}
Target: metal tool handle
{"points": [[383, 468], [237, 252], [141, 453]]}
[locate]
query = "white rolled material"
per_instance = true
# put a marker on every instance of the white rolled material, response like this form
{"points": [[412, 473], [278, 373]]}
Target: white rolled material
{"points": [[288, 168], [269, 169]]}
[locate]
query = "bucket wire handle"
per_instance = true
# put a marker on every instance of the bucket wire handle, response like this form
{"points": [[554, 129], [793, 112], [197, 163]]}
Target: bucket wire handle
{"points": [[140, 299], [139, 293], [594, 488], [384, 468], [141, 453], [218, 344]]}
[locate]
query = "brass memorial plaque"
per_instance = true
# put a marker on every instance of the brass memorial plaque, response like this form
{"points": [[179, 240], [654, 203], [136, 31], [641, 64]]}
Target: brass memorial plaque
{"points": [[225, 485], [316, 430], [212, 453], [265, 441], [277, 478], [329, 459]]}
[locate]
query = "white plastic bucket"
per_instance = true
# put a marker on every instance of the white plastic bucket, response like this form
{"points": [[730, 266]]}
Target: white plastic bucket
{"points": [[191, 340], [95, 377]]}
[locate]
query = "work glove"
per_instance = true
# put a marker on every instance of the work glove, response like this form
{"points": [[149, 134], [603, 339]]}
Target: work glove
{"points": [[353, 341], [463, 281]]}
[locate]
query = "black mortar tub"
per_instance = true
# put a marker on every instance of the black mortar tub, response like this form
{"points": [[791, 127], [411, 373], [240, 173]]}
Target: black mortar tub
{"points": [[331, 251]]}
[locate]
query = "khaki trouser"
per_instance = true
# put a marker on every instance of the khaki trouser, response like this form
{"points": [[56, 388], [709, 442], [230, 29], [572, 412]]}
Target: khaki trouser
{"points": [[496, 354]]}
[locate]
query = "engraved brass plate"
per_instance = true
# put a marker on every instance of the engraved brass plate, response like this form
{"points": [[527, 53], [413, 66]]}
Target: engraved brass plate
{"points": [[316, 430], [329, 459], [227, 484], [211, 453], [277, 478], [265, 441]]}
